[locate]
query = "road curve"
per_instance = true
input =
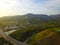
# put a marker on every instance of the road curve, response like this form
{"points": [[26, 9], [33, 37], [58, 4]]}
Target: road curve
{"points": [[10, 39]]}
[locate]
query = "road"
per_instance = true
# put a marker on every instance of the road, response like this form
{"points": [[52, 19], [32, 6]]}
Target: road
{"points": [[10, 39]]}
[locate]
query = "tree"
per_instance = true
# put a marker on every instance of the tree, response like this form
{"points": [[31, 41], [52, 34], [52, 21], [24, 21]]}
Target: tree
{"points": [[10, 39]]}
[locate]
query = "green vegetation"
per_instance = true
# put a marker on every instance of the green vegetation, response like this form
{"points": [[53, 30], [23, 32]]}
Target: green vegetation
{"points": [[34, 31], [4, 42], [33, 36]]}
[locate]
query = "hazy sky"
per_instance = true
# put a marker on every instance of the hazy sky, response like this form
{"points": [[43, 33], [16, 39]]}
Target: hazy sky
{"points": [[19, 7]]}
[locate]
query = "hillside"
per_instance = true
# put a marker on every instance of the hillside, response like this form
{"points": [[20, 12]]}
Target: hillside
{"points": [[34, 29], [29, 16], [44, 37]]}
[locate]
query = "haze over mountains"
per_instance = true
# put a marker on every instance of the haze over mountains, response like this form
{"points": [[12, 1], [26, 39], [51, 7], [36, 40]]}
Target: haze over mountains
{"points": [[31, 15], [34, 29], [29, 22]]}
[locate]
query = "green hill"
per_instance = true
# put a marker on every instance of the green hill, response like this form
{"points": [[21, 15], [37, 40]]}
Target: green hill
{"points": [[44, 37], [34, 29]]}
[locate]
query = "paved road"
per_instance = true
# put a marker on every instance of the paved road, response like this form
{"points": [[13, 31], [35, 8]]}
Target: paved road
{"points": [[10, 39]]}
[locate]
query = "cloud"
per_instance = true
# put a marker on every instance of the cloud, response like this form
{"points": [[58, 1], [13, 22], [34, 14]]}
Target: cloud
{"points": [[53, 3], [53, 6], [19, 7], [47, 7]]}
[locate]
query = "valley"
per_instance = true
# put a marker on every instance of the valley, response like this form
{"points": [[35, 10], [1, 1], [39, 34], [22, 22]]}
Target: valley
{"points": [[30, 29]]}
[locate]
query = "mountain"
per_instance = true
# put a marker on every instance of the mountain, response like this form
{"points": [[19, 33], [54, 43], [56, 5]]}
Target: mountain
{"points": [[27, 17], [34, 29]]}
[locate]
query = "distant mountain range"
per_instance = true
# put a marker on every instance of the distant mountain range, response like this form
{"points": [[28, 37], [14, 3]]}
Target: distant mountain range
{"points": [[30, 16], [35, 29]]}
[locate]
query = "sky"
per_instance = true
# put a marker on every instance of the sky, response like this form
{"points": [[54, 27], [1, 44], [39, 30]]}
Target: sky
{"points": [[21, 7]]}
